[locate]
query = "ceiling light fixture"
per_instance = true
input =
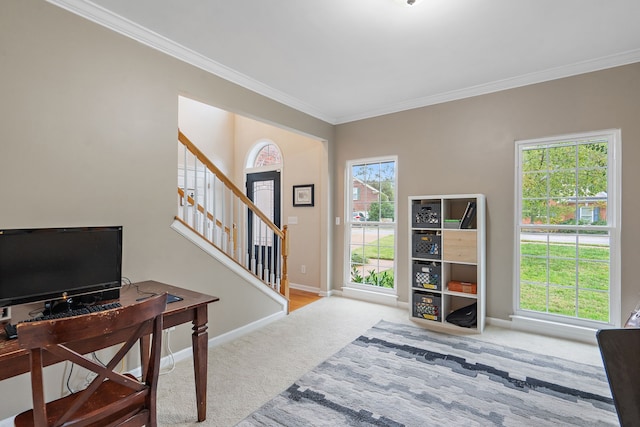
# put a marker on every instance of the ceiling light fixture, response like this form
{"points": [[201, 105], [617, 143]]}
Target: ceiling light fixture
{"points": [[407, 2]]}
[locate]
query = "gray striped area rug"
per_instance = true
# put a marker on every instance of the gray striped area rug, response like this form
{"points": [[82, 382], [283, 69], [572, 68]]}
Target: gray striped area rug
{"points": [[402, 375]]}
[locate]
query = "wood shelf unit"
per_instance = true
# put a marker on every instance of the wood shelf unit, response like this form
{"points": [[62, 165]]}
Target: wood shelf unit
{"points": [[440, 252]]}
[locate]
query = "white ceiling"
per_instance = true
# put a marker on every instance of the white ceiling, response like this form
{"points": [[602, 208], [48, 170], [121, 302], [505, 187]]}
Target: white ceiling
{"points": [[344, 60]]}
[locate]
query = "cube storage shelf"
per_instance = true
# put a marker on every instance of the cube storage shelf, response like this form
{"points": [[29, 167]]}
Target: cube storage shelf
{"points": [[444, 247]]}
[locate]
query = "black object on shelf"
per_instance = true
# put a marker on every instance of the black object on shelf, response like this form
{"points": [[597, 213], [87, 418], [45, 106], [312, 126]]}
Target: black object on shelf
{"points": [[469, 215], [466, 317]]}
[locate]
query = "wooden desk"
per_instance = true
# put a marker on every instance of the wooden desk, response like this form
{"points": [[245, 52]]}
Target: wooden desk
{"points": [[193, 308]]}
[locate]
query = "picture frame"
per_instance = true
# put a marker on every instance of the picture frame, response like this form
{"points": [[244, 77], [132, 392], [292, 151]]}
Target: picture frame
{"points": [[303, 195]]}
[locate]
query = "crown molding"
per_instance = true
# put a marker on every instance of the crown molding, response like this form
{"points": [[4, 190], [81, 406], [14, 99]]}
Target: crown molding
{"points": [[127, 28], [117, 23], [583, 67]]}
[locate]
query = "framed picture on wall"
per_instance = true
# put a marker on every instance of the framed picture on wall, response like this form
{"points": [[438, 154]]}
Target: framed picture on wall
{"points": [[303, 195]]}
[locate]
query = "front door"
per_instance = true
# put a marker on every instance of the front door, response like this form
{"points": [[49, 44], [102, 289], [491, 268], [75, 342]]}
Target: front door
{"points": [[263, 189]]}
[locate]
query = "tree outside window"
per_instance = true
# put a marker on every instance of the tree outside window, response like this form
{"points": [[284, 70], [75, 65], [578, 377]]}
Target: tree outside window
{"points": [[567, 235]]}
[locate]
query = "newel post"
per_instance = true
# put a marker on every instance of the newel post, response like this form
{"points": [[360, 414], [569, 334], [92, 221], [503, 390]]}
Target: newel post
{"points": [[284, 282]]}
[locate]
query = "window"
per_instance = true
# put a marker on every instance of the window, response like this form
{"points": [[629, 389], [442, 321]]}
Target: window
{"points": [[567, 229], [268, 154], [371, 224]]}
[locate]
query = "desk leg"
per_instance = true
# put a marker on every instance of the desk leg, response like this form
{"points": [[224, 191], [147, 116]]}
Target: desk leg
{"points": [[199, 340]]}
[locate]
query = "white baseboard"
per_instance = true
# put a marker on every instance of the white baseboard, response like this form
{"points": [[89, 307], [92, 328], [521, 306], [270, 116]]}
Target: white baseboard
{"points": [[305, 288], [253, 326], [402, 304], [376, 297], [311, 289], [501, 323], [187, 353], [339, 293]]}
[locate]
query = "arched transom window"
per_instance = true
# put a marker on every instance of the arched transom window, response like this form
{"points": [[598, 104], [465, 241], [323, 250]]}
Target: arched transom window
{"points": [[269, 154]]}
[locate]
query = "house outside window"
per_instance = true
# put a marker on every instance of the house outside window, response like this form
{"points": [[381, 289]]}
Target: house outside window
{"points": [[371, 224], [567, 229]]}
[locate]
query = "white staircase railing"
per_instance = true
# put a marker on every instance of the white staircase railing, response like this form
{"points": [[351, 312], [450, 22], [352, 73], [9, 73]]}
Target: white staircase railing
{"points": [[213, 207]]}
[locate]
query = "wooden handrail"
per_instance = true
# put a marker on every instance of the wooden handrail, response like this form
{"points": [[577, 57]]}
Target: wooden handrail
{"points": [[222, 177], [231, 231], [200, 208]]}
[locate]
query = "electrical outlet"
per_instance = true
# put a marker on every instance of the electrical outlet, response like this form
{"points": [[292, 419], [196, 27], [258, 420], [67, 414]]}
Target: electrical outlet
{"points": [[303, 269]]}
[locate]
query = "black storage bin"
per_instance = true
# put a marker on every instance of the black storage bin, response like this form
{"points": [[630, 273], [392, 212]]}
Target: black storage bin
{"points": [[427, 275], [427, 306], [426, 215], [426, 246]]}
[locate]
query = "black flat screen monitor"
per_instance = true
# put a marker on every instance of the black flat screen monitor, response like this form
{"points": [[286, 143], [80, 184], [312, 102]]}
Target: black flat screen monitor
{"points": [[53, 263]]}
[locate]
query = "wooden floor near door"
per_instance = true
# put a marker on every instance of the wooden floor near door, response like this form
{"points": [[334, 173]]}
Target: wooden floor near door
{"points": [[298, 298]]}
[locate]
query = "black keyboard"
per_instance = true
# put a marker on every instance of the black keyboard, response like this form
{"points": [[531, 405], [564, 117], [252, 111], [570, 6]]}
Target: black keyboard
{"points": [[12, 330]]}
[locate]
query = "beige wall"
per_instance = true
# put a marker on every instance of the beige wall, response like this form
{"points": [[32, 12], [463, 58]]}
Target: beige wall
{"points": [[211, 130], [89, 134], [467, 146]]}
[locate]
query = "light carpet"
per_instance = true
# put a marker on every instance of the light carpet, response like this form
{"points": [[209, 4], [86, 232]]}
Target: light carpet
{"points": [[402, 375]]}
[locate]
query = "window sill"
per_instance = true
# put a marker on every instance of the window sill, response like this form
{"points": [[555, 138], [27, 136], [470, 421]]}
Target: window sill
{"points": [[554, 329]]}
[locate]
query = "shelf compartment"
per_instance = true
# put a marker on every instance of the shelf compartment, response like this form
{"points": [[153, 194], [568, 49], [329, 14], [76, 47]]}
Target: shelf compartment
{"points": [[465, 273], [455, 209], [426, 245], [427, 275], [426, 215], [427, 306], [460, 246], [462, 287], [452, 303]]}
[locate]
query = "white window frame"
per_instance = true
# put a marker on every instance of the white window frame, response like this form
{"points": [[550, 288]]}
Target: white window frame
{"points": [[614, 174], [349, 224]]}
